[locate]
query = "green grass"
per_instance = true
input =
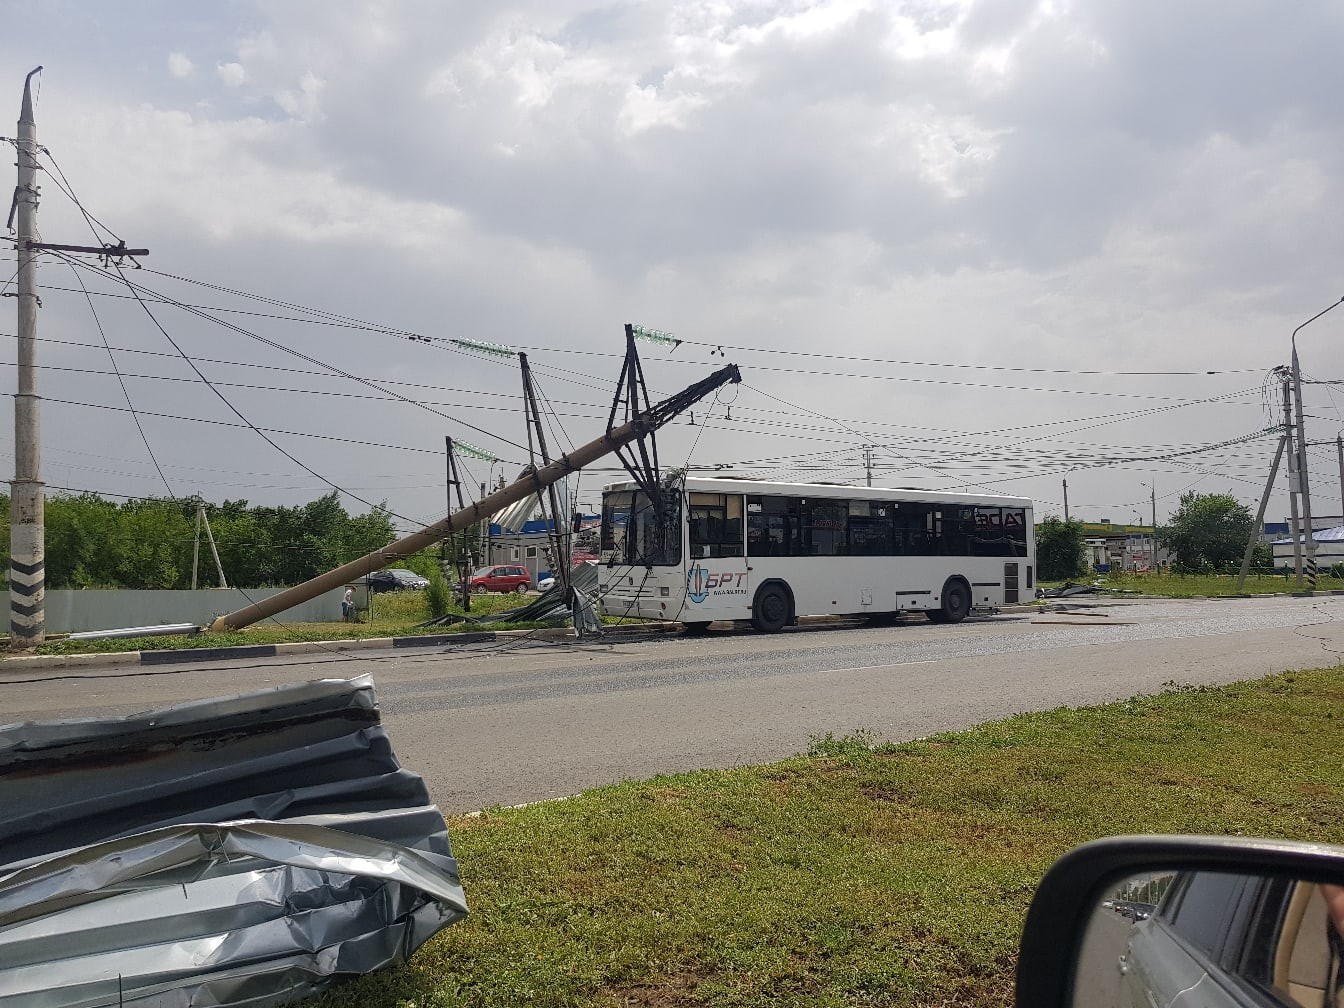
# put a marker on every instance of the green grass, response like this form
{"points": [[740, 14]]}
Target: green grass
{"points": [[394, 614], [858, 874]]}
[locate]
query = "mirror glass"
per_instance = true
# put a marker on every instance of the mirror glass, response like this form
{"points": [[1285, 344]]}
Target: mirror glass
{"points": [[1213, 939]]}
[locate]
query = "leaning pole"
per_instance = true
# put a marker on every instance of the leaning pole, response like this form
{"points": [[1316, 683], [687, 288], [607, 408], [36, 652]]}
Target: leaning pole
{"points": [[637, 427]]}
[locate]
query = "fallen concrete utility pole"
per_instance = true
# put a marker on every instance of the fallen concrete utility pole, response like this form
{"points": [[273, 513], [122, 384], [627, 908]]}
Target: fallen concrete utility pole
{"points": [[641, 425]]}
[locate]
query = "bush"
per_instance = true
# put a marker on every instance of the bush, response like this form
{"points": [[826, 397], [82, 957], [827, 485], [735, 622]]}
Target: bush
{"points": [[1059, 550], [437, 595]]}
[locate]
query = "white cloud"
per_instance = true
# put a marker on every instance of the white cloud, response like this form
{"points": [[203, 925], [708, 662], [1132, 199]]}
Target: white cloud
{"points": [[180, 66], [1078, 185], [231, 74]]}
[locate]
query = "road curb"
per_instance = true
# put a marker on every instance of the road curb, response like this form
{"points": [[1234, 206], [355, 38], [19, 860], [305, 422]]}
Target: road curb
{"points": [[172, 656]]}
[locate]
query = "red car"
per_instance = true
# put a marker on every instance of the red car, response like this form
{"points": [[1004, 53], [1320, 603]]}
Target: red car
{"points": [[501, 578]]}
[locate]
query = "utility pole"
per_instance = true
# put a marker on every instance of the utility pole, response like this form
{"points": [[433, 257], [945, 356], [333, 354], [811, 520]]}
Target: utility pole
{"points": [[1066, 500], [560, 536], [214, 551], [203, 520], [868, 462], [1152, 565], [27, 531], [196, 549], [1339, 448], [1260, 513], [449, 544], [640, 425], [27, 526], [1302, 450], [1293, 481], [1303, 482]]}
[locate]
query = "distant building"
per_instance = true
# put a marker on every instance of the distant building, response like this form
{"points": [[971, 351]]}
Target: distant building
{"points": [[1283, 529], [530, 544], [1329, 548], [1112, 547]]}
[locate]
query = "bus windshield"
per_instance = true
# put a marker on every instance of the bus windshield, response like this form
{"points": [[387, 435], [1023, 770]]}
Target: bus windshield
{"points": [[630, 530]]}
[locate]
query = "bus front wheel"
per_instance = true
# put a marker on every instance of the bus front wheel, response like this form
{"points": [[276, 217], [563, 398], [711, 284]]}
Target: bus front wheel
{"points": [[770, 611], [956, 603]]}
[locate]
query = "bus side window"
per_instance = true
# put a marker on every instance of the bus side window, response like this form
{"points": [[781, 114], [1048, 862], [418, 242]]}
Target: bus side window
{"points": [[715, 524]]}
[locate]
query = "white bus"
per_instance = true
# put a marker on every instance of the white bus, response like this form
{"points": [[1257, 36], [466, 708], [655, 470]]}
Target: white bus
{"points": [[740, 549]]}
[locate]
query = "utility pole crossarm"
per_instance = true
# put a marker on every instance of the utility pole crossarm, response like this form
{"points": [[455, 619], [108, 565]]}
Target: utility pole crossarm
{"points": [[640, 424], [111, 251]]}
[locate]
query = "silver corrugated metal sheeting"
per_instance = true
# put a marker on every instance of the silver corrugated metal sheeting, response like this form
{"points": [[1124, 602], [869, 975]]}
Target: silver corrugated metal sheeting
{"points": [[515, 516], [249, 850]]}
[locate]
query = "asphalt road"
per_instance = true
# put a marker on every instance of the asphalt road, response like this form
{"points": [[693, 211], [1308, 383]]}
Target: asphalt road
{"points": [[518, 721], [1099, 983]]}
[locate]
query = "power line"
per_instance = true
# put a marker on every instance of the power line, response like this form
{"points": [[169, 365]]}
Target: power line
{"points": [[138, 289]]}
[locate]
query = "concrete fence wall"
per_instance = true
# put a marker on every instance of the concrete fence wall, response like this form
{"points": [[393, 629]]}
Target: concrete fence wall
{"points": [[70, 611]]}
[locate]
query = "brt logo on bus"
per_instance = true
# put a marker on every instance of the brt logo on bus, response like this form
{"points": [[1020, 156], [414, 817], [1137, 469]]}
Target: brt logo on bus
{"points": [[700, 583]]}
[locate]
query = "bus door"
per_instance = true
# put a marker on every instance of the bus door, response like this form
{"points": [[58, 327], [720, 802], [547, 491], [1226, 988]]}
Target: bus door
{"points": [[717, 582]]}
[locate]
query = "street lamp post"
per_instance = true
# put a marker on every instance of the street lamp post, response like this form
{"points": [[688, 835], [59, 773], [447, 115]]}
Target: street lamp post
{"points": [[1303, 487]]}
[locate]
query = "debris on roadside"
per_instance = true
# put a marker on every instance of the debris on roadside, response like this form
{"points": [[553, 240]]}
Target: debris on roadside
{"points": [[250, 849]]}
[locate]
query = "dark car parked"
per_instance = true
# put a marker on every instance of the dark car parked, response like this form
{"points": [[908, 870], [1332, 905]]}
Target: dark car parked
{"points": [[396, 579]]}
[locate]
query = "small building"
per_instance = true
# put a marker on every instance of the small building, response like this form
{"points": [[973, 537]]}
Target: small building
{"points": [[1329, 548], [530, 544], [1109, 547]]}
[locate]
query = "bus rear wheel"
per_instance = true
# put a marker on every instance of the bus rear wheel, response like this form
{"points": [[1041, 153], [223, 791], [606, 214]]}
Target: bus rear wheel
{"points": [[956, 603], [770, 611]]}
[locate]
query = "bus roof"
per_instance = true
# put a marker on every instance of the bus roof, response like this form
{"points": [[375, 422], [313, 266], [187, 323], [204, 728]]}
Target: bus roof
{"points": [[718, 484]]}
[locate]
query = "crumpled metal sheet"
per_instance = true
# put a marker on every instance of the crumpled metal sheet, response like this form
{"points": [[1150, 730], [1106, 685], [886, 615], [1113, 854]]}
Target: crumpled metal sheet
{"points": [[249, 850]]}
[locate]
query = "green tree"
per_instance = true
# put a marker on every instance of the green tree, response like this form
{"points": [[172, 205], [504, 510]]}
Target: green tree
{"points": [[1207, 530], [92, 542], [1059, 549]]}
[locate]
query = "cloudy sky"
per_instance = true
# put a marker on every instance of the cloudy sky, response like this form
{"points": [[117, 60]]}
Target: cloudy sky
{"points": [[1004, 244]]}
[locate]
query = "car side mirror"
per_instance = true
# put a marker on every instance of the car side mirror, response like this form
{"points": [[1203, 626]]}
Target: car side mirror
{"points": [[1138, 920]]}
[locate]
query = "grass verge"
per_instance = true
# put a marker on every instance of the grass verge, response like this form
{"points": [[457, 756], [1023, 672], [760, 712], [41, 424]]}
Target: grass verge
{"points": [[858, 874], [395, 614]]}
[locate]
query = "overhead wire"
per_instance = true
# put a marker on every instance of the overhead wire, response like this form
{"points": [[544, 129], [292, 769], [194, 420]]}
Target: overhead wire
{"points": [[331, 318], [93, 225], [331, 368], [136, 290]]}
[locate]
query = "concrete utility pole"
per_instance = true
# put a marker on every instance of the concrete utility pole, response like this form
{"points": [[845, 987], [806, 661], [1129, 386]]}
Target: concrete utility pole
{"points": [[1152, 557], [203, 521], [637, 428], [1153, 488], [27, 527], [1293, 480], [1303, 481], [27, 535], [1339, 449], [1066, 500], [1260, 513], [467, 562], [1302, 451]]}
